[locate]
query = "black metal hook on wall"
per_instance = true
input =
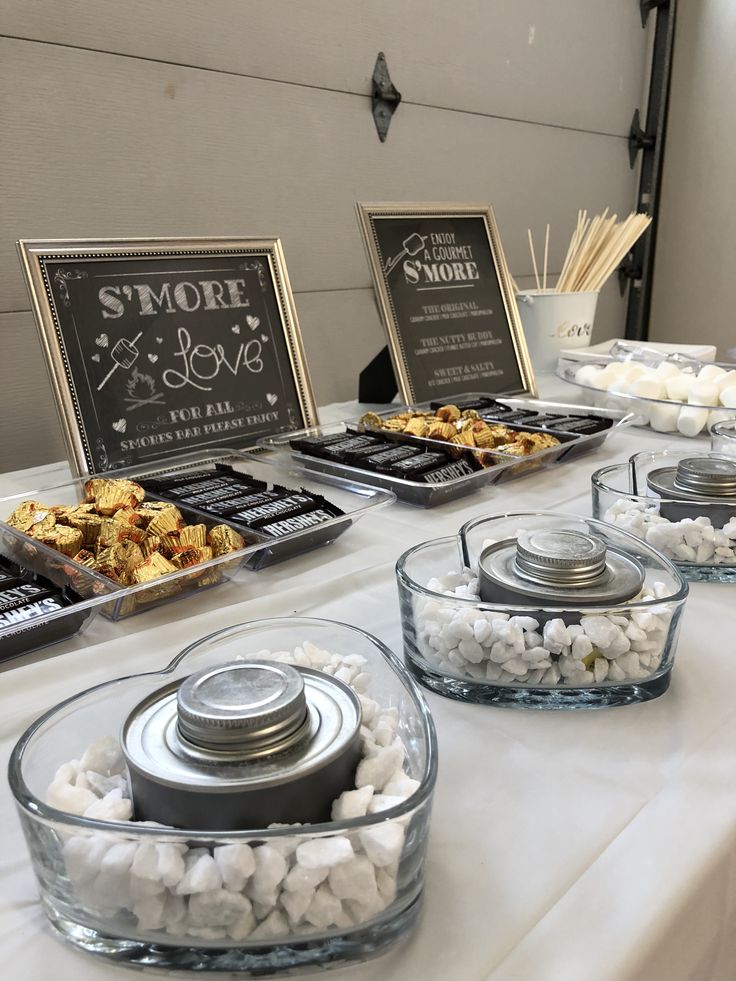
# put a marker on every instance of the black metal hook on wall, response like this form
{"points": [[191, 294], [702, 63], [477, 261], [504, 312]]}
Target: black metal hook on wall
{"points": [[385, 97]]}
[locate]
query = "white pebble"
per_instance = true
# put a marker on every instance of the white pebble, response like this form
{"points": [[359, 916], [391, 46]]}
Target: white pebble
{"points": [[201, 875], [355, 879], [236, 864], [377, 770], [324, 909], [383, 843], [219, 908], [104, 756], [275, 925], [324, 852], [112, 807], [352, 803], [268, 874], [556, 636]]}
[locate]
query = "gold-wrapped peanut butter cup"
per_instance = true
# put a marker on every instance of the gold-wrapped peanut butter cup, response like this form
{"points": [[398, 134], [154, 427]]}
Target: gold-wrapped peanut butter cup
{"points": [[64, 539], [166, 521], [28, 514], [223, 539], [193, 535], [417, 427], [152, 568]]}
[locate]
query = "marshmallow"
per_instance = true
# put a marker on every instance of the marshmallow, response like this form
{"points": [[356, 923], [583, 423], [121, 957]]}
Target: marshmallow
{"points": [[691, 420]]}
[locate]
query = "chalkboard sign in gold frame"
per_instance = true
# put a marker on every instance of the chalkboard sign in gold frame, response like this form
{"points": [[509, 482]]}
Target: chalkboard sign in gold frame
{"points": [[445, 297], [157, 347]]}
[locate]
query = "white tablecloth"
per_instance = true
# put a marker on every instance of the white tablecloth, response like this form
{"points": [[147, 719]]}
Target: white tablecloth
{"points": [[564, 847]]}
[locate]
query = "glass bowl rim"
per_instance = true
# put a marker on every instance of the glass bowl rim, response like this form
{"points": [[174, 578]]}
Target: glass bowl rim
{"points": [[596, 478], [405, 579], [38, 810]]}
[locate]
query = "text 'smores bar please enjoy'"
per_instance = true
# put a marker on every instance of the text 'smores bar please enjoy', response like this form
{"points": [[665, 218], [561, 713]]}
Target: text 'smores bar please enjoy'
{"points": [[159, 347], [446, 300]]}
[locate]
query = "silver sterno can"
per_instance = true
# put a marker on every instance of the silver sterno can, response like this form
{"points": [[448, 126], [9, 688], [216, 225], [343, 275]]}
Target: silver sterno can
{"points": [[241, 746], [558, 569], [696, 481]]}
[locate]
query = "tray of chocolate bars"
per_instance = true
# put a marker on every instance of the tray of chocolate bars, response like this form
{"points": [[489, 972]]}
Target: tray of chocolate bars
{"points": [[155, 534], [435, 452], [42, 600]]}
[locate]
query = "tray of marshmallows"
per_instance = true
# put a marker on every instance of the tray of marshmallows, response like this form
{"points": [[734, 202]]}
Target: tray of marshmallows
{"points": [[670, 392]]}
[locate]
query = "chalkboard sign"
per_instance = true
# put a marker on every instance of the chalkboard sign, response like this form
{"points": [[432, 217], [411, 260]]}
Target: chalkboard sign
{"points": [[445, 298], [157, 348]]}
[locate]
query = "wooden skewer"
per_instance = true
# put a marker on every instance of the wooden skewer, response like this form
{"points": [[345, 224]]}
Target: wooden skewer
{"points": [[534, 258], [546, 252]]}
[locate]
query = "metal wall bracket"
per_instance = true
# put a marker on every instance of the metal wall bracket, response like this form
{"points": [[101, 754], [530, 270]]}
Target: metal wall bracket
{"points": [[628, 270], [385, 97], [639, 267], [646, 5], [639, 139]]}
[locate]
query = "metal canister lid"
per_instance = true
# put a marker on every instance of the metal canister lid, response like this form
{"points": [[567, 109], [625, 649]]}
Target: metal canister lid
{"points": [[241, 726], [696, 478], [245, 706], [557, 566], [560, 556]]}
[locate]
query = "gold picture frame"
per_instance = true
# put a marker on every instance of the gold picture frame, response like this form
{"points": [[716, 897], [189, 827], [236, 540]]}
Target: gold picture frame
{"points": [[77, 349], [370, 215]]}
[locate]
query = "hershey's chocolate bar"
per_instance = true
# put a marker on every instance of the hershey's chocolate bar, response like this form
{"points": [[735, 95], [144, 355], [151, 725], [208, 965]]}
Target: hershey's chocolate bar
{"points": [[385, 459], [478, 403], [24, 592], [299, 522], [340, 451], [313, 444], [200, 487], [450, 471], [31, 611], [579, 424], [284, 507], [413, 466], [506, 414], [173, 479], [243, 499]]}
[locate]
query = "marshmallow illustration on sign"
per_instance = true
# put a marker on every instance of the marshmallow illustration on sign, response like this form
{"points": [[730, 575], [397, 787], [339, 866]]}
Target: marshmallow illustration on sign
{"points": [[296, 884], [691, 399]]}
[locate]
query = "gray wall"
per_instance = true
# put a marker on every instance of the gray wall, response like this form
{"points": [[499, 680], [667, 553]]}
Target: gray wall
{"points": [[179, 117], [694, 287]]}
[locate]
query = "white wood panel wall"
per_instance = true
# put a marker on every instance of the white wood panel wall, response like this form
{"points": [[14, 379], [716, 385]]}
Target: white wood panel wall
{"points": [[184, 117], [694, 288]]}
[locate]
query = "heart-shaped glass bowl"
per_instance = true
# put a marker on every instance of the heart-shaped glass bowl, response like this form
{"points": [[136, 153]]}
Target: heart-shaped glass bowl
{"points": [[536, 656], [698, 536], [110, 908]]}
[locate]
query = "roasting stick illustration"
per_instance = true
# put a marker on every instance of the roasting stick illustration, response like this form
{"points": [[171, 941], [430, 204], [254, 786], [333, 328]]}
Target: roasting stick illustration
{"points": [[412, 245], [124, 354]]}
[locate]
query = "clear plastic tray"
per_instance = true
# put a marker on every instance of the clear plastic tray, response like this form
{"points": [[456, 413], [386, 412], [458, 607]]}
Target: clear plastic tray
{"points": [[503, 466], [662, 415], [351, 498], [87, 592]]}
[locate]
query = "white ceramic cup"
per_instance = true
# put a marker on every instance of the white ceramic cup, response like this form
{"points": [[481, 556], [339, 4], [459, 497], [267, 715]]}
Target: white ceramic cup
{"points": [[553, 321]]}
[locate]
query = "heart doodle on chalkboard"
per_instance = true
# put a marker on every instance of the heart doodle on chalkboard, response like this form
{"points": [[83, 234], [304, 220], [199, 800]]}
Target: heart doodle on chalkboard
{"points": [[153, 358], [236, 328], [272, 399], [120, 425], [95, 357], [264, 338], [102, 340], [253, 322], [159, 340]]}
